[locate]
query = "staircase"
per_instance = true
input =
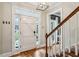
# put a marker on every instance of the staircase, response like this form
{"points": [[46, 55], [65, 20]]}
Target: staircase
{"points": [[71, 50], [71, 53]]}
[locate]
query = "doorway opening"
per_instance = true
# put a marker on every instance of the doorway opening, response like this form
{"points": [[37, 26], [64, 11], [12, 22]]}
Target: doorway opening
{"points": [[26, 32], [55, 40], [55, 20]]}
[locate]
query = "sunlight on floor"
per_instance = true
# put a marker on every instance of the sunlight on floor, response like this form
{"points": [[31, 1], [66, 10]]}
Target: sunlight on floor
{"points": [[39, 53]]}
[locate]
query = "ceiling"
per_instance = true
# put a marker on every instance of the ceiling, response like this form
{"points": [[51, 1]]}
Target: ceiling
{"points": [[51, 4], [34, 5]]}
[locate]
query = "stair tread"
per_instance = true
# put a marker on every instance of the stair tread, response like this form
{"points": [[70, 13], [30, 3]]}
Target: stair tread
{"points": [[72, 52]]}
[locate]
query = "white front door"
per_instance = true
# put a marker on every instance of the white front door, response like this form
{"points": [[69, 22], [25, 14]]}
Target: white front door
{"points": [[27, 28]]}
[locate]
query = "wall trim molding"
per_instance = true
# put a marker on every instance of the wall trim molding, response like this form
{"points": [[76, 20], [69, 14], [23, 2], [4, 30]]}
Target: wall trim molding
{"points": [[6, 54]]}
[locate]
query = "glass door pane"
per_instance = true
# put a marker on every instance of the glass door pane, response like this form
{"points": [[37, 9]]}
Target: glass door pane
{"points": [[17, 33]]}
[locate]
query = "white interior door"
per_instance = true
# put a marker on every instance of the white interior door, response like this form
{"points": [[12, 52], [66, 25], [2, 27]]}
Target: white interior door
{"points": [[27, 33]]}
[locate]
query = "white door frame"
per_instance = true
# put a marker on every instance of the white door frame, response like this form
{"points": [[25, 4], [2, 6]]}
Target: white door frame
{"points": [[48, 22], [27, 13]]}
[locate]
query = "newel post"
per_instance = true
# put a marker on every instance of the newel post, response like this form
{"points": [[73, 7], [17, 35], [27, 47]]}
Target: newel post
{"points": [[46, 54]]}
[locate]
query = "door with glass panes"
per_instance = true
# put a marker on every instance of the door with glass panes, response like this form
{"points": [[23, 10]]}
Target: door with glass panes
{"points": [[27, 28], [55, 20], [54, 35], [26, 33]]}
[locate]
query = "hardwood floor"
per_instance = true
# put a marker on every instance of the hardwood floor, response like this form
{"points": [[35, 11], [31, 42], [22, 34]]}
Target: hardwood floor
{"points": [[40, 52], [31, 53]]}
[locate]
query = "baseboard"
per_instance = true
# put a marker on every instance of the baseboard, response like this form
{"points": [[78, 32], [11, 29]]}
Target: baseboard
{"points": [[6, 54]]}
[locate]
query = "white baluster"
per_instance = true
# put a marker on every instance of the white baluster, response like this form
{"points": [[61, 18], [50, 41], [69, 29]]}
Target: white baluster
{"points": [[63, 42], [59, 45], [76, 50], [61, 39], [55, 43], [76, 35], [51, 47], [49, 50], [69, 36]]}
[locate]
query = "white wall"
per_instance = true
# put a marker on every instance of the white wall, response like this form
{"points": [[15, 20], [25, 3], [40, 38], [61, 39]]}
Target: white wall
{"points": [[68, 32], [6, 15], [6, 28], [0, 33], [43, 27], [0, 30]]}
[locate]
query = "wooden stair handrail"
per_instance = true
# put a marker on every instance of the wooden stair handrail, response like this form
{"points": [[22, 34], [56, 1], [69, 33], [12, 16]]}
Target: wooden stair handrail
{"points": [[64, 21]]}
